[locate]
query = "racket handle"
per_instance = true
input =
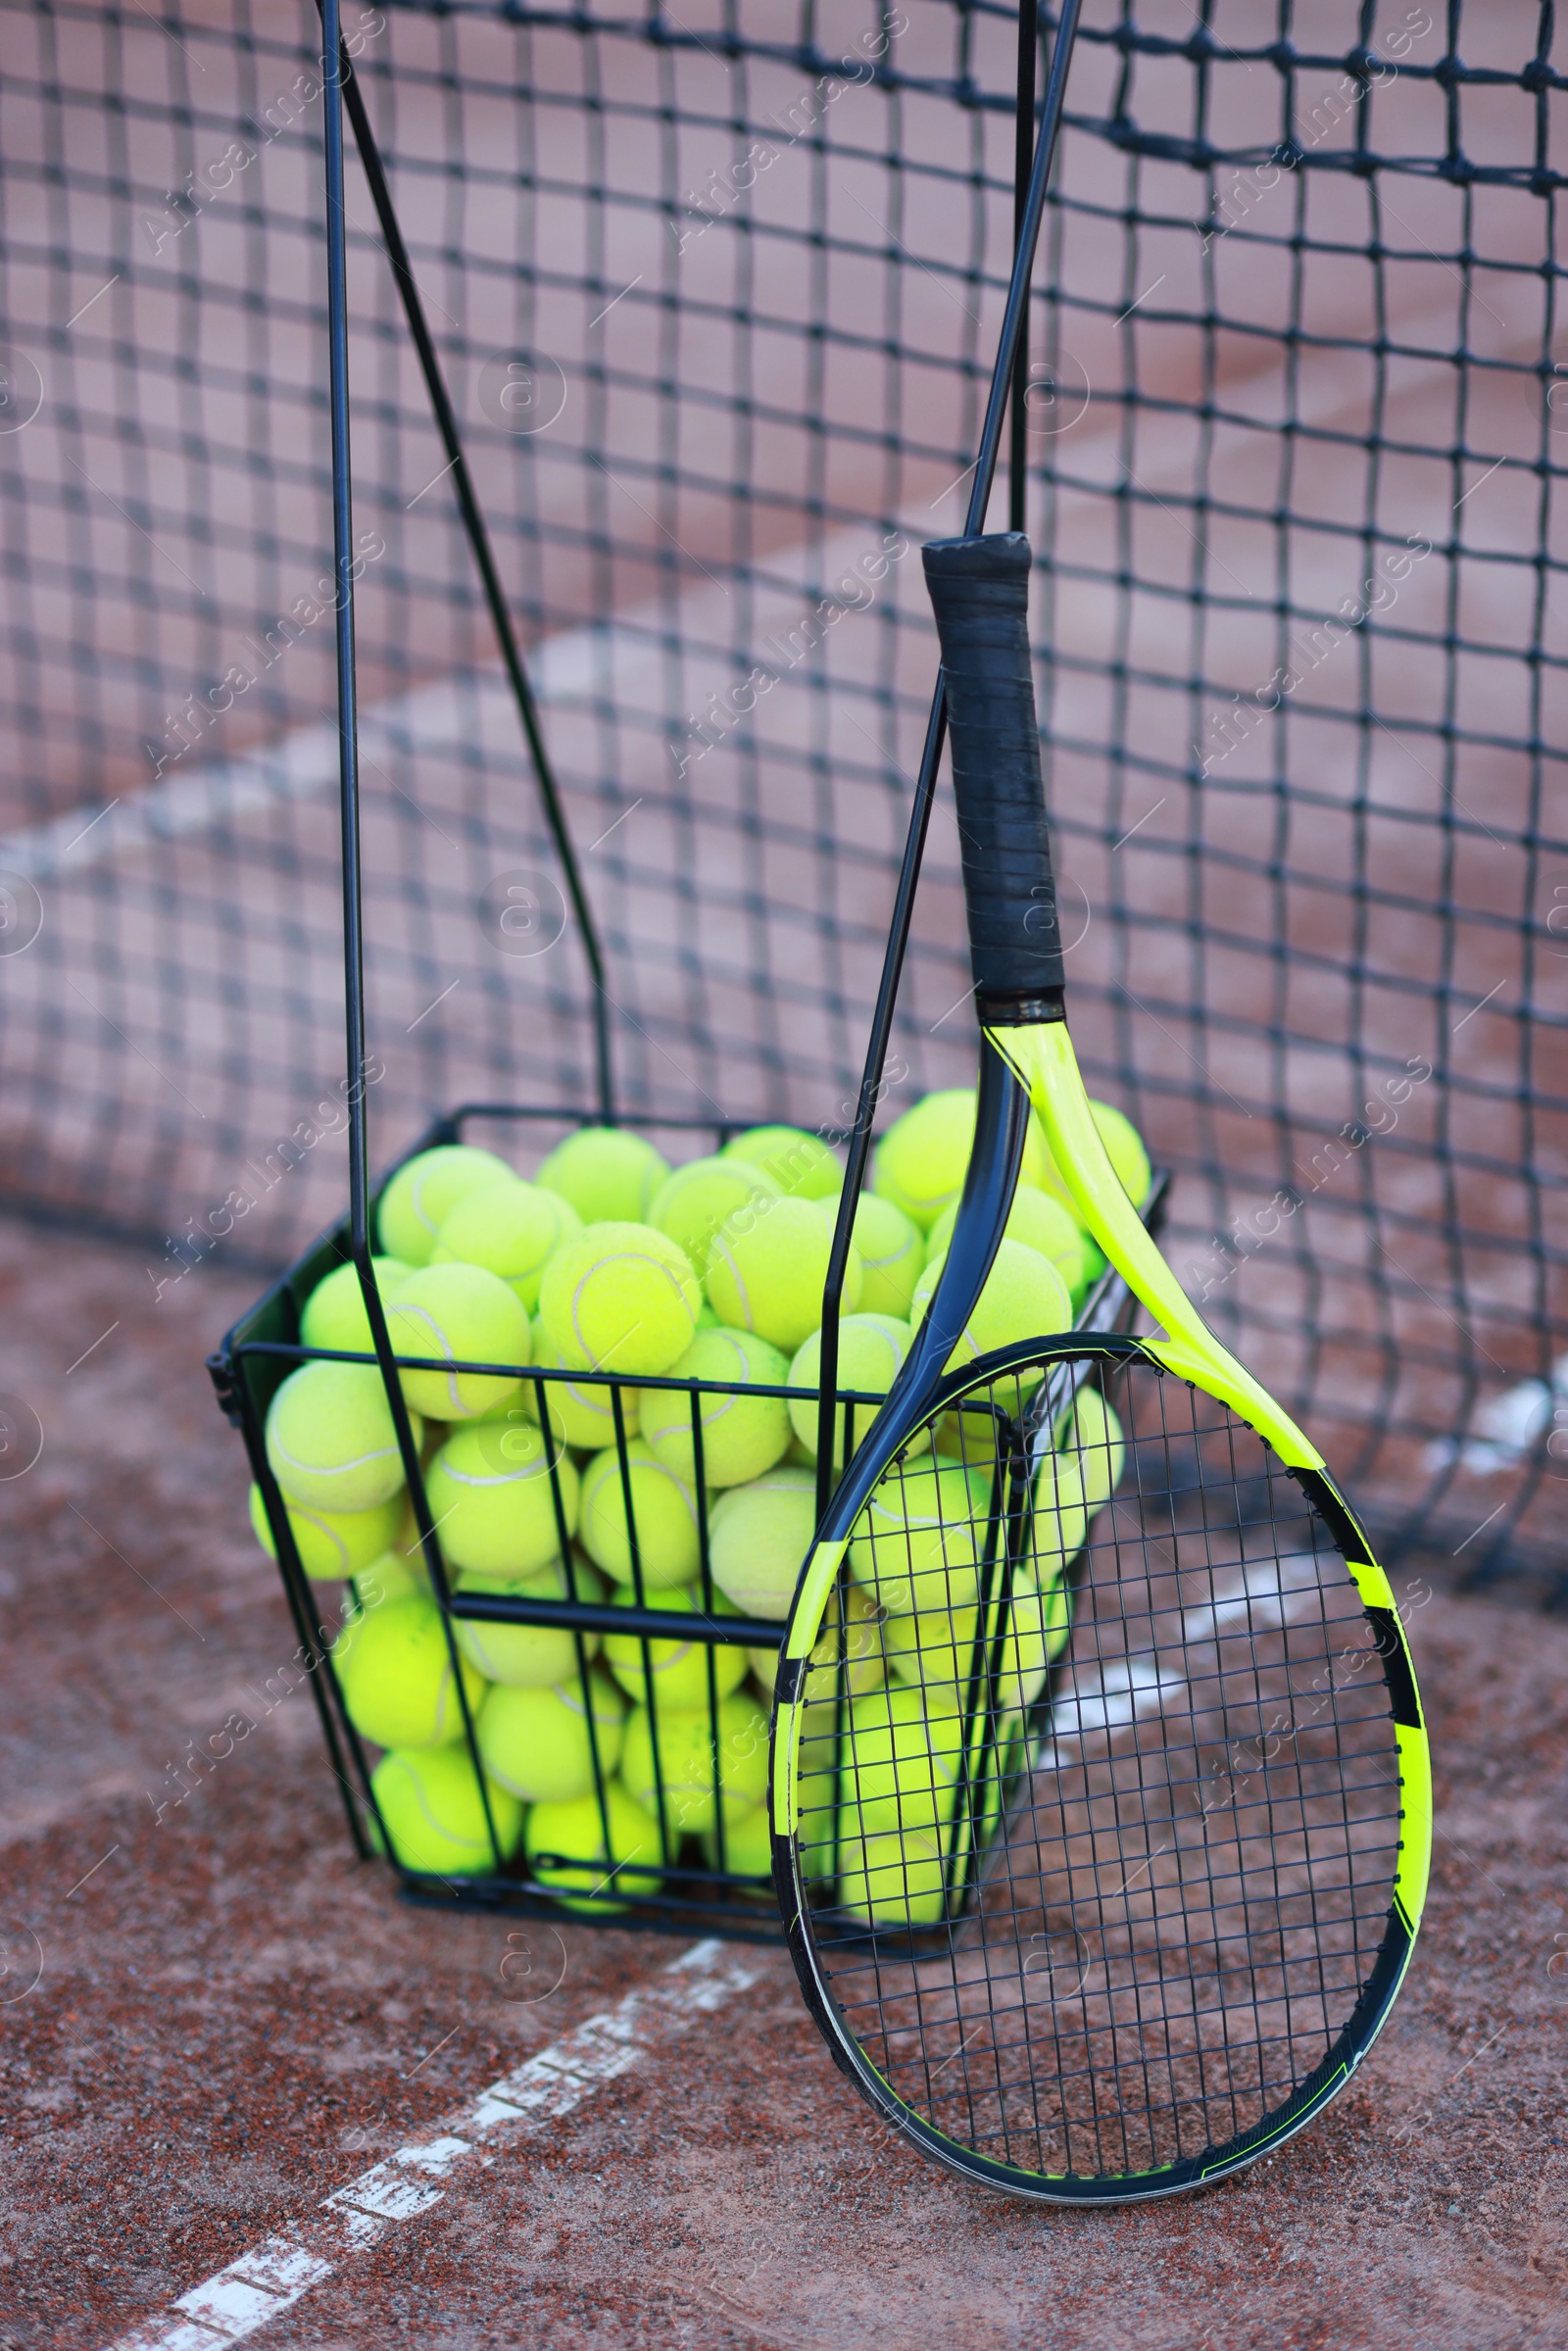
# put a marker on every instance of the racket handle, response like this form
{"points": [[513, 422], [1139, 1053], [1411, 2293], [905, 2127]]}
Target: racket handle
{"points": [[980, 593]]}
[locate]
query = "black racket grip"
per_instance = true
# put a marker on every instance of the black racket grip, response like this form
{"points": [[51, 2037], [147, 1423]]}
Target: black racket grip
{"points": [[980, 593]]}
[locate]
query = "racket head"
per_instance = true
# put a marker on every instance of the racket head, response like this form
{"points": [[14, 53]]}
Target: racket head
{"points": [[1144, 1908]]}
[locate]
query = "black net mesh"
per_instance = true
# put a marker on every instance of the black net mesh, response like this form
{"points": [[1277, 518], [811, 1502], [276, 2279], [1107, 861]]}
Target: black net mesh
{"points": [[1101, 1870], [717, 294]]}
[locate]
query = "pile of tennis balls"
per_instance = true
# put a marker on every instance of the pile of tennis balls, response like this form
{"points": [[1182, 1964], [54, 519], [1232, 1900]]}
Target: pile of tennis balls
{"points": [[608, 1261]]}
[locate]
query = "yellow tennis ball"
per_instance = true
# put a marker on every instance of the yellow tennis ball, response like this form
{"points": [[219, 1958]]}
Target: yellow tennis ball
{"points": [[768, 1268], [330, 1439], [424, 1190], [542, 1743], [847, 1665], [921, 1160], [938, 1650], [695, 1751], [1040, 1222], [1124, 1148], [331, 1544], [692, 1204], [513, 1230], [741, 1434], [528, 1656], [676, 1670], [335, 1315], [434, 1813], [797, 1162], [757, 1538], [502, 1500], [898, 1767], [1024, 1298], [897, 1879], [871, 1349], [619, 1298], [608, 1176], [394, 1668], [747, 1850], [891, 1252], [464, 1315], [664, 1517], [397, 1575], [569, 1852], [1092, 1434], [1059, 1520], [920, 1538], [581, 1412]]}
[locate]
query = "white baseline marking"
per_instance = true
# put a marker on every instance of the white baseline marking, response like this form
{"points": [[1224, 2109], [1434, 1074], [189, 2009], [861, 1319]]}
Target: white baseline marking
{"points": [[258, 2287]]}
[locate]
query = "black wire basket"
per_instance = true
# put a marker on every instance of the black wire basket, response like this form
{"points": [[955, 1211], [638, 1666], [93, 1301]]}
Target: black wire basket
{"points": [[696, 1882]]}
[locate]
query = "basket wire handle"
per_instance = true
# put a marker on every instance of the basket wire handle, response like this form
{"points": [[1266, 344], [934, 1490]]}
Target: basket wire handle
{"points": [[1010, 353]]}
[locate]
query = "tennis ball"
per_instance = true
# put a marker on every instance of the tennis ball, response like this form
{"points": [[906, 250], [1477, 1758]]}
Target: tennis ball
{"points": [[1024, 1298], [920, 1538], [569, 1849], [757, 1538], [335, 1315], [330, 1440], [394, 1669], [741, 1434], [582, 1413], [687, 1762], [1038, 1220], [664, 1517], [701, 1197], [1094, 1435], [898, 1767], [1060, 1517], [894, 1880], [871, 1347], [891, 1253], [465, 1315], [619, 1298], [528, 1656], [537, 1742], [502, 1500], [513, 1230], [829, 1674], [747, 1850], [331, 1544], [424, 1190], [797, 1162], [1124, 1148], [434, 1813], [921, 1160], [768, 1268], [937, 1651], [610, 1177], [397, 1575], [679, 1668]]}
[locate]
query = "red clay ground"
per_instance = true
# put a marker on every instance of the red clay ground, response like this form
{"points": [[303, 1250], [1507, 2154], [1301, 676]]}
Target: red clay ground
{"points": [[233, 2018]]}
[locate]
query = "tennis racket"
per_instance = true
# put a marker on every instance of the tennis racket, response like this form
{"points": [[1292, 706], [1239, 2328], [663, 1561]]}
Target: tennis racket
{"points": [[1109, 1888]]}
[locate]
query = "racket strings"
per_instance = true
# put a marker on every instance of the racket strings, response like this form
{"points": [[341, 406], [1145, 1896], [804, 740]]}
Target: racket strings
{"points": [[1101, 1870]]}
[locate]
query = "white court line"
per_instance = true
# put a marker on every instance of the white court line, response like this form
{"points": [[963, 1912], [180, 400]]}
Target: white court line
{"points": [[249, 2293]]}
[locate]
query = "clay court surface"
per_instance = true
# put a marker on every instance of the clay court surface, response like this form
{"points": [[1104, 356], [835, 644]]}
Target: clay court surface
{"points": [[234, 2019]]}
